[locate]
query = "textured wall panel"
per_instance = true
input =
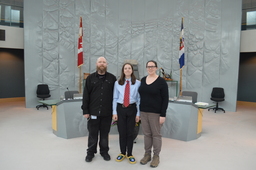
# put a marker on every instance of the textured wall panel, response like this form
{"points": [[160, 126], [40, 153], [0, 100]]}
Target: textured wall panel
{"points": [[195, 45], [50, 44], [97, 34], [124, 32], [150, 38], [67, 44], [33, 15], [111, 36], [136, 29], [230, 50], [167, 35], [212, 42]]}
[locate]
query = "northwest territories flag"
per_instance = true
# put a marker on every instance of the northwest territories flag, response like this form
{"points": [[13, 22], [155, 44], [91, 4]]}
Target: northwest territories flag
{"points": [[182, 50], [80, 57]]}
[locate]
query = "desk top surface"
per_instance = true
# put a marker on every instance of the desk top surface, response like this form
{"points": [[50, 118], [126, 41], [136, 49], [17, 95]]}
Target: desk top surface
{"points": [[206, 106], [50, 102], [210, 105], [57, 101]]}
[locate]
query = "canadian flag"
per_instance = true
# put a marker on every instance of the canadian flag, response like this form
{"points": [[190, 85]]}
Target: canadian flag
{"points": [[80, 58]]}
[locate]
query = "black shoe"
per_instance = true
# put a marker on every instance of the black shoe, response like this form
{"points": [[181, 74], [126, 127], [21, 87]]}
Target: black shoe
{"points": [[106, 156], [88, 158]]}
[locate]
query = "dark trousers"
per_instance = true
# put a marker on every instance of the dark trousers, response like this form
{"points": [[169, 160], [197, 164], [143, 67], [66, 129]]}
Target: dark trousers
{"points": [[125, 125], [98, 127]]}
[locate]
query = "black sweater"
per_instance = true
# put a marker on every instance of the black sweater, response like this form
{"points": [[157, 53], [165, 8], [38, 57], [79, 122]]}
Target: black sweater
{"points": [[98, 94], [154, 97]]}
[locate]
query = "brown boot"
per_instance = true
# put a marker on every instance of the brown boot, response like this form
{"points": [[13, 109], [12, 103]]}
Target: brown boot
{"points": [[145, 159], [155, 161]]}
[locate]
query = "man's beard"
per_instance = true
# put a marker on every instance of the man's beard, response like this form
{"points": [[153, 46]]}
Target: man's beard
{"points": [[101, 69]]}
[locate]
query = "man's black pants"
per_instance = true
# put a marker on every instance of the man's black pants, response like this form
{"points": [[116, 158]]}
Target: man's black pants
{"points": [[98, 127]]}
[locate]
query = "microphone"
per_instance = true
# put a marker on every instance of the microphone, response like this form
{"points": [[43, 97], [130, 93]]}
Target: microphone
{"points": [[69, 95]]}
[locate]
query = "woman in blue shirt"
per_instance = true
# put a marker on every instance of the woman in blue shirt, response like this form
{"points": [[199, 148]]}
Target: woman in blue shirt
{"points": [[126, 101]]}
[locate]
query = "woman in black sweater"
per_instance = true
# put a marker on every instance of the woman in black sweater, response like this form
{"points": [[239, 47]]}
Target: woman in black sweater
{"points": [[153, 105]]}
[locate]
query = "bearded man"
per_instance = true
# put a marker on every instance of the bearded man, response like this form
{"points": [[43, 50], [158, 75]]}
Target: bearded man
{"points": [[97, 108]]}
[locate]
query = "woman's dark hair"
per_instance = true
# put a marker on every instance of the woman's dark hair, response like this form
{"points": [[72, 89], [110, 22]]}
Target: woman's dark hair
{"points": [[122, 78], [153, 61]]}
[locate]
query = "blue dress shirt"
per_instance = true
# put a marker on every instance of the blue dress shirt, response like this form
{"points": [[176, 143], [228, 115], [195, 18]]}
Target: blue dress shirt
{"points": [[119, 95]]}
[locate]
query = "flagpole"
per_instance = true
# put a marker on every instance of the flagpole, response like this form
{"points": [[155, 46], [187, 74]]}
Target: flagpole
{"points": [[80, 80], [180, 82]]}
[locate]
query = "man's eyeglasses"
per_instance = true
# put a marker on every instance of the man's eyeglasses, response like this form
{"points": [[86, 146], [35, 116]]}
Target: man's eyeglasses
{"points": [[150, 66]]}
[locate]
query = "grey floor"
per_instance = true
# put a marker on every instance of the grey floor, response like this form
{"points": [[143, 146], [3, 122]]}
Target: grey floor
{"points": [[228, 142]]}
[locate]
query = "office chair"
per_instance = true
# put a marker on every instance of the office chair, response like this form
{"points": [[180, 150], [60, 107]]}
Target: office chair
{"points": [[217, 96], [42, 92], [70, 94], [193, 94]]}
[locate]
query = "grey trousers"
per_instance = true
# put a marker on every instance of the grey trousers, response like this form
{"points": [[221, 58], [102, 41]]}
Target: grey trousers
{"points": [[152, 132]]}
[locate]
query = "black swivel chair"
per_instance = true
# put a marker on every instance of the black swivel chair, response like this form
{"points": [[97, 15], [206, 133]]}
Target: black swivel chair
{"points": [[42, 92], [193, 94], [217, 95]]}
